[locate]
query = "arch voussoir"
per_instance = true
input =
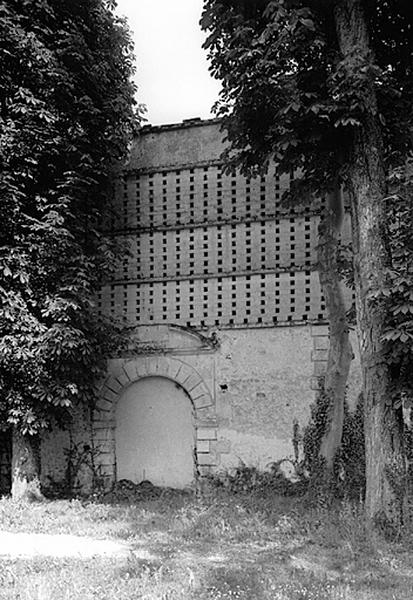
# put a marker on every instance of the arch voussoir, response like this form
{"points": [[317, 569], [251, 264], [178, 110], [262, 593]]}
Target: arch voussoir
{"points": [[163, 367], [132, 370], [124, 373]]}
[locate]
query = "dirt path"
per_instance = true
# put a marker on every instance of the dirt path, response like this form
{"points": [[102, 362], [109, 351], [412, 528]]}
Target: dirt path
{"points": [[28, 545]]}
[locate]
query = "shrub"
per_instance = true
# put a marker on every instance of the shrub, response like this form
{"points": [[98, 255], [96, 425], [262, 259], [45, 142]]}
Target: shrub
{"points": [[245, 479], [349, 463]]}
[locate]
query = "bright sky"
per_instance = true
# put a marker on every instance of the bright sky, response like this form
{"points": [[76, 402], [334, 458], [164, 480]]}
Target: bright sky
{"points": [[172, 70]]}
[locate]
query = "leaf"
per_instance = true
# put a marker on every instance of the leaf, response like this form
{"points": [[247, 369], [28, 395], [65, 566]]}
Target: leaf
{"points": [[67, 75], [309, 23]]}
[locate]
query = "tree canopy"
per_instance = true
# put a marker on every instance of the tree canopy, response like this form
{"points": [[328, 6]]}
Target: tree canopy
{"points": [[67, 113], [326, 88], [288, 92]]}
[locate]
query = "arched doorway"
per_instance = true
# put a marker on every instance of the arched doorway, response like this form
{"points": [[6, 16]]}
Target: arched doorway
{"points": [[155, 434]]}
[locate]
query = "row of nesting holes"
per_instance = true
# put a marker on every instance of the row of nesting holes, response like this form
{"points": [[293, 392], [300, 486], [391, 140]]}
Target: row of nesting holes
{"points": [[236, 300], [236, 254], [241, 205]]}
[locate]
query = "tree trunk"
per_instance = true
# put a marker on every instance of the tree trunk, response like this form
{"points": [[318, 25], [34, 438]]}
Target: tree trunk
{"points": [[340, 352], [367, 186], [26, 468]]}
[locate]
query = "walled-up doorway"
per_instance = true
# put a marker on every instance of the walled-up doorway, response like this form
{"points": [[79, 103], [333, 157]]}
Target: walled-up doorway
{"points": [[155, 434]]}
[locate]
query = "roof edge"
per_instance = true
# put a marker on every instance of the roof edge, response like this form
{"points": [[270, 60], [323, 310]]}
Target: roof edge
{"points": [[185, 124]]}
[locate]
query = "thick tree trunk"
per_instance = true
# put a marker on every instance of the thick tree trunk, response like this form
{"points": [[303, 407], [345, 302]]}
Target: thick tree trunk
{"points": [[26, 468], [339, 353], [366, 181]]}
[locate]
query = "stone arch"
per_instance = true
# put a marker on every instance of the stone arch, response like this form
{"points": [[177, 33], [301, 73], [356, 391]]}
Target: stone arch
{"points": [[124, 372], [160, 366]]}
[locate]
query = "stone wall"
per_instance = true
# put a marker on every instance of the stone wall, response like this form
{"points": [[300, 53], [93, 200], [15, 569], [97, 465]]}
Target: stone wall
{"points": [[220, 282], [247, 394], [74, 445], [207, 248], [248, 389]]}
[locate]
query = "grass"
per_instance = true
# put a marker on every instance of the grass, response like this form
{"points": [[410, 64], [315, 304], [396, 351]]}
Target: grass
{"points": [[245, 547]]}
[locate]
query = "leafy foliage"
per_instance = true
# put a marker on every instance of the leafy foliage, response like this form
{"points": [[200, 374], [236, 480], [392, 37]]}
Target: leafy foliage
{"points": [[398, 294], [288, 94], [349, 462], [325, 89], [248, 479], [67, 112]]}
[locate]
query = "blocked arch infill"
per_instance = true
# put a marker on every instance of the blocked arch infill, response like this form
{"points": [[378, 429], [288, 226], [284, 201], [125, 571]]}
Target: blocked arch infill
{"points": [[131, 371]]}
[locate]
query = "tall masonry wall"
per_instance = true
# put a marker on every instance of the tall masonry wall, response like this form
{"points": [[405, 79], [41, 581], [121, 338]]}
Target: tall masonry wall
{"points": [[220, 283], [206, 248]]}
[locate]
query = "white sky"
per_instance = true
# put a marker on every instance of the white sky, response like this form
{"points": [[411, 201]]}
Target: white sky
{"points": [[172, 70]]}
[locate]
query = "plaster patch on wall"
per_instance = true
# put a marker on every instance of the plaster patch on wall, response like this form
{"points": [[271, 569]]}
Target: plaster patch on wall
{"points": [[320, 335], [155, 434], [53, 458], [55, 450], [253, 450], [266, 383]]}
